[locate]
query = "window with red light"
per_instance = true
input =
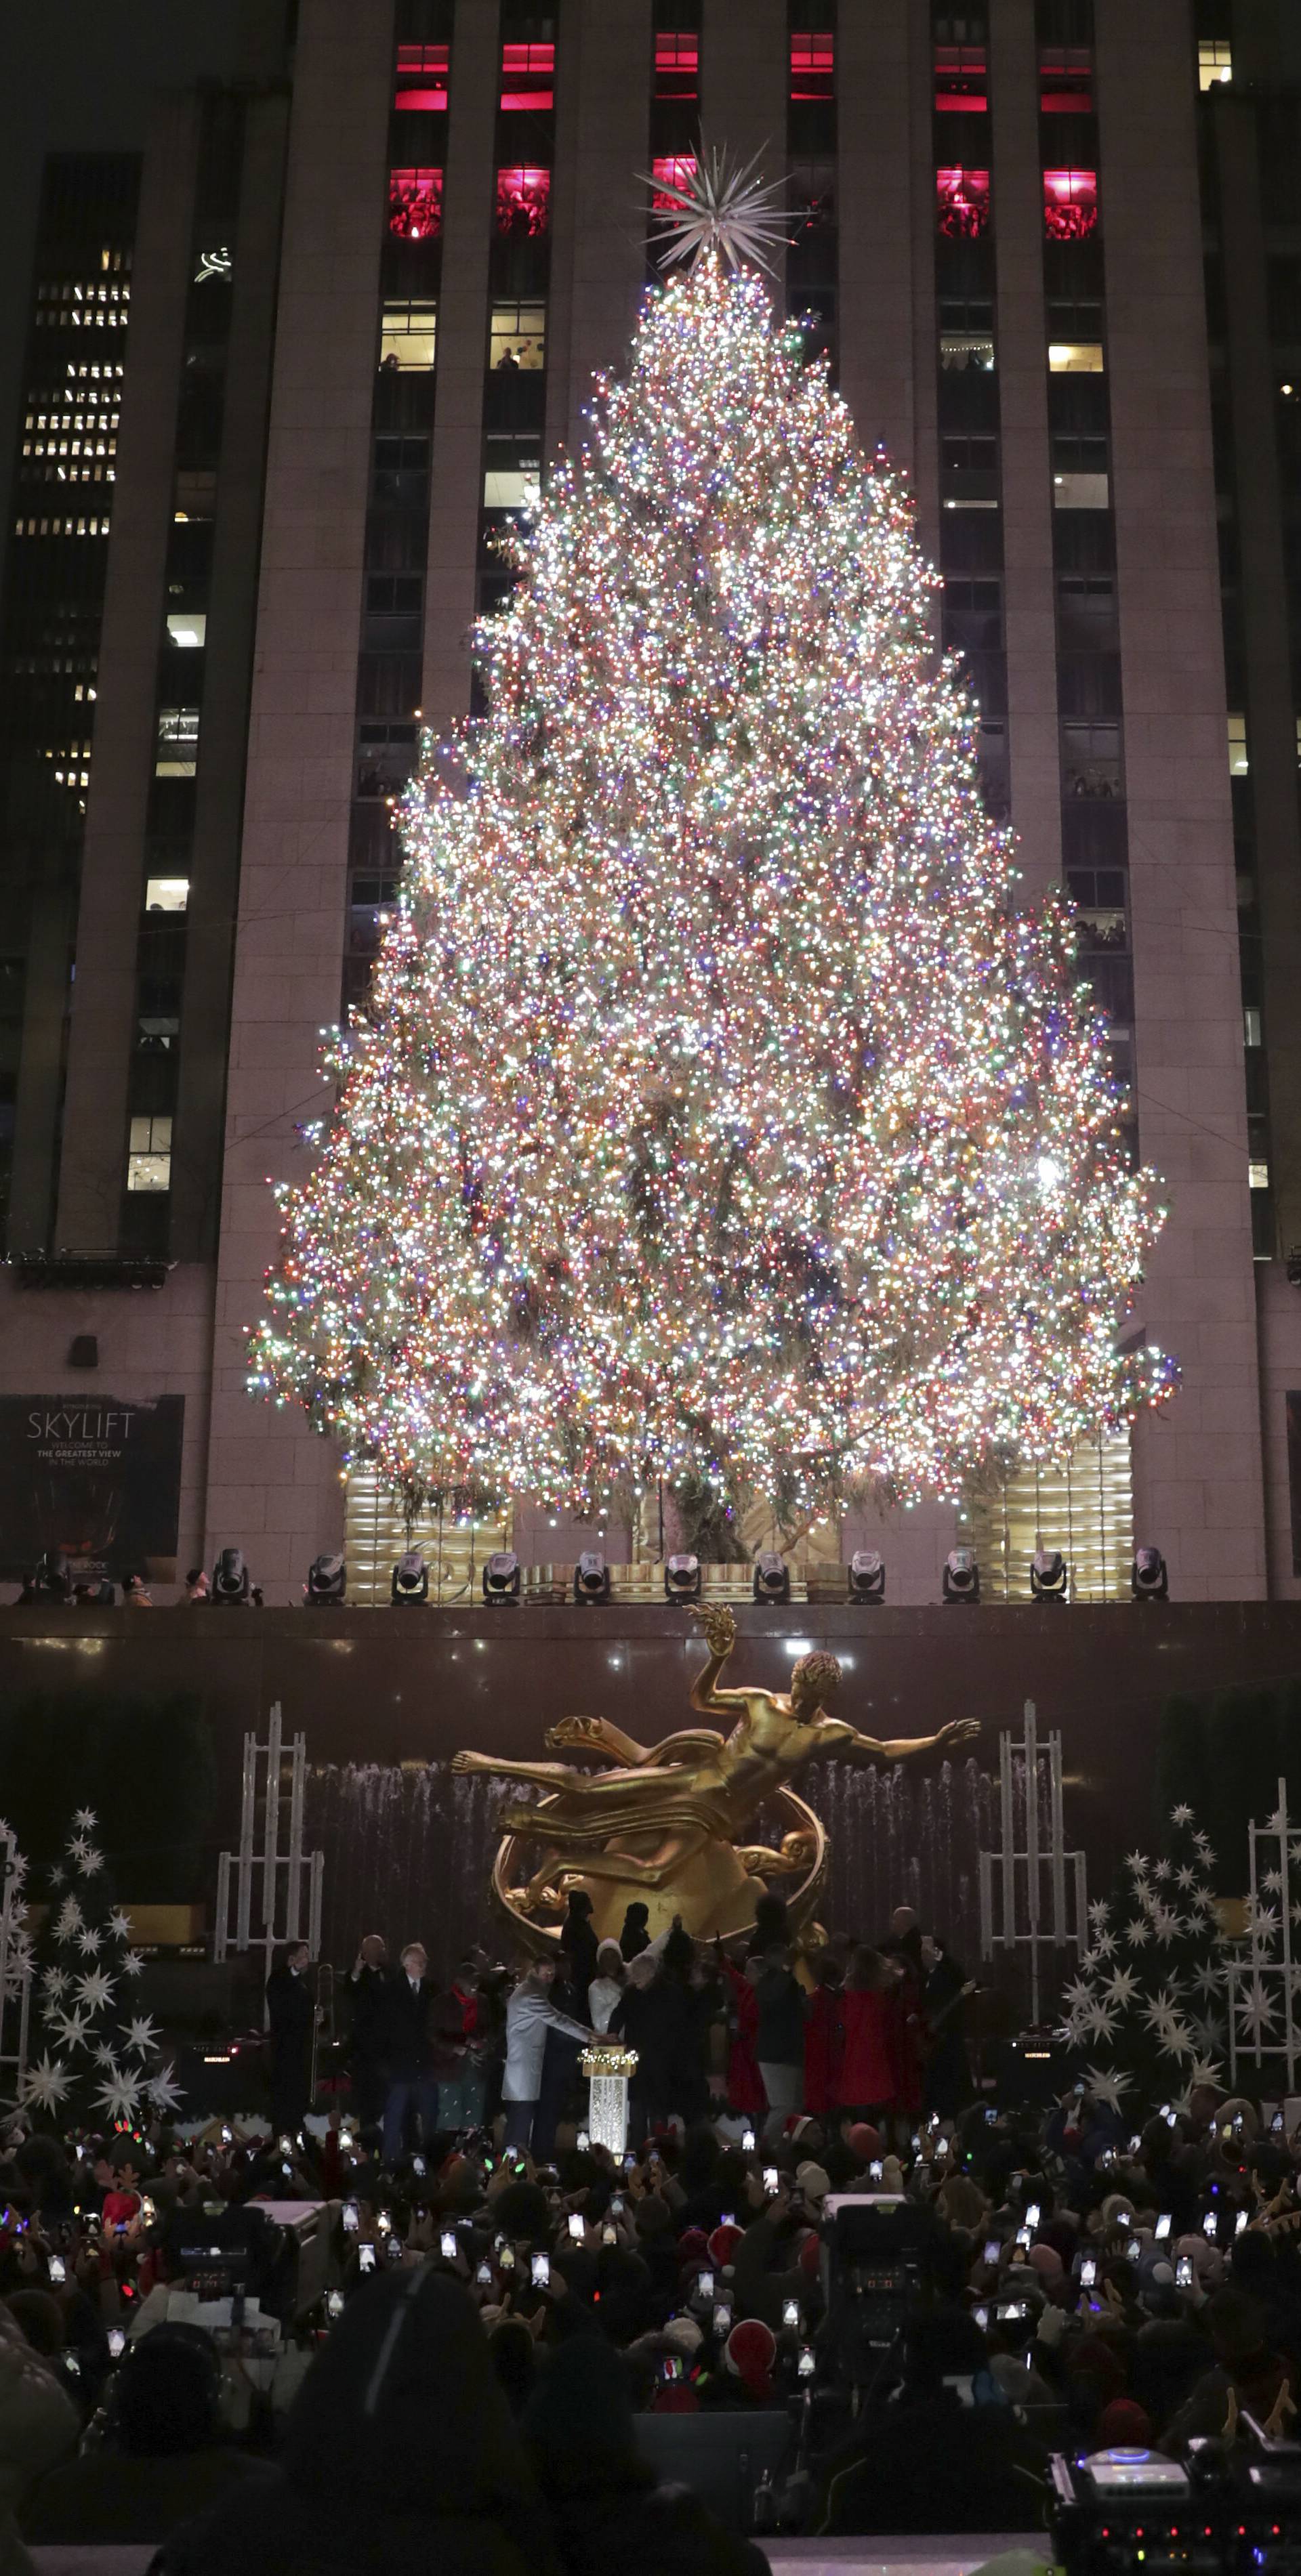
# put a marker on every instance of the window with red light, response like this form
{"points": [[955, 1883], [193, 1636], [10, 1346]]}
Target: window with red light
{"points": [[1070, 204], [527, 76], [677, 63], [672, 170], [813, 66], [523, 201], [421, 77], [961, 81], [962, 203], [415, 204], [1066, 81]]}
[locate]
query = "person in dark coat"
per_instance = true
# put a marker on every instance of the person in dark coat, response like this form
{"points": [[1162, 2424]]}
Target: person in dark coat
{"points": [[947, 2084], [654, 2016], [578, 1944], [606, 2505], [422, 2040], [291, 2020], [400, 2456], [162, 2459], [370, 1981], [634, 1937]]}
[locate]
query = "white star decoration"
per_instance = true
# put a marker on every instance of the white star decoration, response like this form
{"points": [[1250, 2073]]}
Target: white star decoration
{"points": [[45, 2085], [1181, 1815], [85, 1820], [70, 1920], [96, 1989], [131, 1963], [72, 2027], [54, 1981], [119, 1925], [119, 2095], [1108, 2083], [88, 1942], [722, 207], [142, 2035], [163, 2090]]}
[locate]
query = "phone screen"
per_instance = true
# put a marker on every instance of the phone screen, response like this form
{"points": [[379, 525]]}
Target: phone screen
{"points": [[790, 2312], [1163, 2223], [447, 2245], [1088, 2271], [992, 2249], [770, 2177], [806, 2364], [418, 2166], [1184, 2272], [116, 2342], [366, 2258], [705, 2285], [58, 2270], [351, 2217], [876, 2169], [575, 2227], [722, 2321], [540, 2271]]}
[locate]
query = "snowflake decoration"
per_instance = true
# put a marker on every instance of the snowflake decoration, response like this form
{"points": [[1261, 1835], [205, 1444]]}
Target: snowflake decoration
{"points": [[118, 2096], [72, 2027], [119, 1925], [88, 1942], [1105, 1946], [131, 1963], [56, 1877], [1108, 2083], [106, 2054], [1137, 1864], [93, 1862], [1122, 1989], [96, 1989], [70, 1920], [1173, 2037], [1272, 1882], [719, 207], [1137, 1932], [1204, 1851], [1099, 2020], [1166, 1926], [1099, 1912], [1078, 1994], [1186, 1878], [78, 1848], [163, 2090], [142, 2035], [45, 2084], [85, 1820], [1182, 1814], [1256, 2010], [1204, 2070], [53, 1982]]}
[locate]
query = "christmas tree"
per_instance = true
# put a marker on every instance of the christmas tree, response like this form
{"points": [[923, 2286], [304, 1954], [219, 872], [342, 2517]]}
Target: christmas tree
{"points": [[715, 1111], [1149, 1995], [94, 2059]]}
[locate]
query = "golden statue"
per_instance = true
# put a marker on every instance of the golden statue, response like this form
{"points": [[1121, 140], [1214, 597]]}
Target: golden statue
{"points": [[665, 1825]]}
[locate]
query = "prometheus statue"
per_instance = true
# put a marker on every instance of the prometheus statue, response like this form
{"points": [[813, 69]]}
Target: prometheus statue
{"points": [[666, 1823]]}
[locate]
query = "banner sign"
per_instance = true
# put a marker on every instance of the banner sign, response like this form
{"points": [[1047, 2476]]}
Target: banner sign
{"points": [[97, 1479]]}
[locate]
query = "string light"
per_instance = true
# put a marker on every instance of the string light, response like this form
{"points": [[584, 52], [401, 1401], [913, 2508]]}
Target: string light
{"points": [[714, 1110]]}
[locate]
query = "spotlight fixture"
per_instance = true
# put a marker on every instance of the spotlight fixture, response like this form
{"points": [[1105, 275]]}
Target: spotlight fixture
{"points": [[409, 1588], [1149, 1575], [961, 1578], [772, 1576], [231, 1588], [591, 1577], [1050, 1575], [327, 1582], [866, 1575], [502, 1578], [682, 1578]]}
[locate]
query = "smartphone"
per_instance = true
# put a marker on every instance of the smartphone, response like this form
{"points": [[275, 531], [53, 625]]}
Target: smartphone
{"points": [[790, 2312], [1133, 2251], [992, 2249], [484, 2276], [671, 2366], [1277, 2122], [286, 2145], [875, 2169], [1135, 2144], [1014, 2308], [227, 2137], [728, 2218], [1238, 2226], [583, 2141], [575, 2227], [418, 2166], [1022, 2238], [70, 2362], [384, 2221], [1184, 2272], [747, 2141], [1033, 2214], [365, 2258], [58, 2270], [540, 2272], [991, 2114], [609, 2235], [616, 2205], [116, 2342], [770, 2178], [630, 2162], [1088, 2272], [351, 2217], [506, 2258], [705, 2285], [447, 2246], [721, 2321], [334, 2303], [393, 2249], [1210, 2225], [287, 2169], [1163, 2224], [806, 2364], [981, 2316]]}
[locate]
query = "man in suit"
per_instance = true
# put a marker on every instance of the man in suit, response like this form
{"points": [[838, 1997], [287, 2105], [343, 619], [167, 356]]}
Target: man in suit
{"points": [[291, 2018], [422, 2031], [370, 1981]]}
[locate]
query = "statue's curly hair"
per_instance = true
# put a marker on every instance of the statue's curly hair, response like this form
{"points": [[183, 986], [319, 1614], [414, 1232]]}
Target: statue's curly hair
{"points": [[822, 1670]]}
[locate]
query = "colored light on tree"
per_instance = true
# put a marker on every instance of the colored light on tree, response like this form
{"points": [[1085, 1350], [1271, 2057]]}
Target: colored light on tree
{"points": [[714, 1109]]}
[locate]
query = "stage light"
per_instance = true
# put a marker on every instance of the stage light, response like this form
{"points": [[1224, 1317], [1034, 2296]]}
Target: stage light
{"points": [[961, 1579], [231, 1588], [1149, 1575], [772, 1576], [866, 1575], [591, 1577], [501, 1577], [682, 1578], [409, 1588], [327, 1582], [1050, 1575]]}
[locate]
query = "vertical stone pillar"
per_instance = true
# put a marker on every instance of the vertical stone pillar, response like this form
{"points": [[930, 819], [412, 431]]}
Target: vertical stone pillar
{"points": [[886, 198], [601, 202], [745, 81], [456, 481]]}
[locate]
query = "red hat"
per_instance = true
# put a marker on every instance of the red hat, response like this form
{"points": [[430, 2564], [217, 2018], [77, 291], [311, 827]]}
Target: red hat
{"points": [[693, 2245], [675, 2399], [864, 2139], [750, 2354], [1124, 2426], [722, 2246], [809, 2255]]}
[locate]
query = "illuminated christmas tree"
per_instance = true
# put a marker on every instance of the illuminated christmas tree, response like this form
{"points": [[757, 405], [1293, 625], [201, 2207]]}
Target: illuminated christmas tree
{"points": [[715, 1110]]}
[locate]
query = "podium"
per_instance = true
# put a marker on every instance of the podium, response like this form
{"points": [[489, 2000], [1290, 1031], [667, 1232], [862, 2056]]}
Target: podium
{"points": [[608, 2066]]}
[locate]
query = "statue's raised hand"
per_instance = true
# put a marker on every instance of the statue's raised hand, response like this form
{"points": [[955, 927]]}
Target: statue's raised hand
{"points": [[719, 1624], [959, 1730], [470, 1762]]}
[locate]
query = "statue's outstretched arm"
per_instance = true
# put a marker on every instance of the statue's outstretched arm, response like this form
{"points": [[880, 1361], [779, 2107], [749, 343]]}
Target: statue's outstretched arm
{"points": [[847, 1745], [719, 1624], [597, 1735]]}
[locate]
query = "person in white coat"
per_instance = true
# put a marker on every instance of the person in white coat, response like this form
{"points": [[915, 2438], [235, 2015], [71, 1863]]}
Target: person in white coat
{"points": [[530, 2014], [606, 1986]]}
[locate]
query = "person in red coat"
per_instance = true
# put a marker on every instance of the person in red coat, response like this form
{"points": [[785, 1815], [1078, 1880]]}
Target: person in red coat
{"points": [[745, 2089], [867, 2066], [824, 2040]]}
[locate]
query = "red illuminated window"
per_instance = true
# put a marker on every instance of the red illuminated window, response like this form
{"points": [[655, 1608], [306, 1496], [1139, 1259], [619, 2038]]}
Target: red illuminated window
{"points": [[415, 204], [677, 64], [1070, 204], [962, 203], [523, 201], [960, 79], [1066, 81], [672, 171], [527, 76], [813, 66], [421, 77]]}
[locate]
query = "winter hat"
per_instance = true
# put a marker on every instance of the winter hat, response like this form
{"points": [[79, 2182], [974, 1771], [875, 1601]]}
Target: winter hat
{"points": [[891, 2175], [750, 2353], [682, 2334], [723, 2246], [1046, 2260], [864, 2140], [693, 2245], [814, 2182], [810, 2255], [1124, 2426]]}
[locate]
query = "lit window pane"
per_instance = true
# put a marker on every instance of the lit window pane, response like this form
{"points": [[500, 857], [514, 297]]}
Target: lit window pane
{"points": [[518, 337], [166, 894], [1238, 746], [1214, 61], [188, 628], [1075, 358], [408, 335], [1081, 492], [149, 1157]]}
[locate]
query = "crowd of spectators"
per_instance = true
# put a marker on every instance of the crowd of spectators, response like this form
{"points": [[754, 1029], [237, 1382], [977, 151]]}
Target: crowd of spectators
{"points": [[492, 2321]]}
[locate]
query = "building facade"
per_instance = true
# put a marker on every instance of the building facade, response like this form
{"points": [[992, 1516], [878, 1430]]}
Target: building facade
{"points": [[360, 293]]}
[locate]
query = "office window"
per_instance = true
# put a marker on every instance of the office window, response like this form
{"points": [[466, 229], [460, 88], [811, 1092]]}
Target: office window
{"points": [[671, 170], [149, 1155], [1075, 357], [524, 202], [188, 628], [1251, 1028], [178, 742], [960, 79], [518, 337], [421, 79], [1258, 1176], [167, 894], [962, 203], [677, 63], [813, 66], [1091, 760], [1214, 61], [1238, 762], [393, 594], [1070, 204], [512, 487], [415, 204], [527, 77], [1065, 80], [408, 334]]}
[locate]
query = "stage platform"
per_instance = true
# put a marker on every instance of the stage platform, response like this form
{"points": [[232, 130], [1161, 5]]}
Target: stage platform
{"points": [[944, 2555]]}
